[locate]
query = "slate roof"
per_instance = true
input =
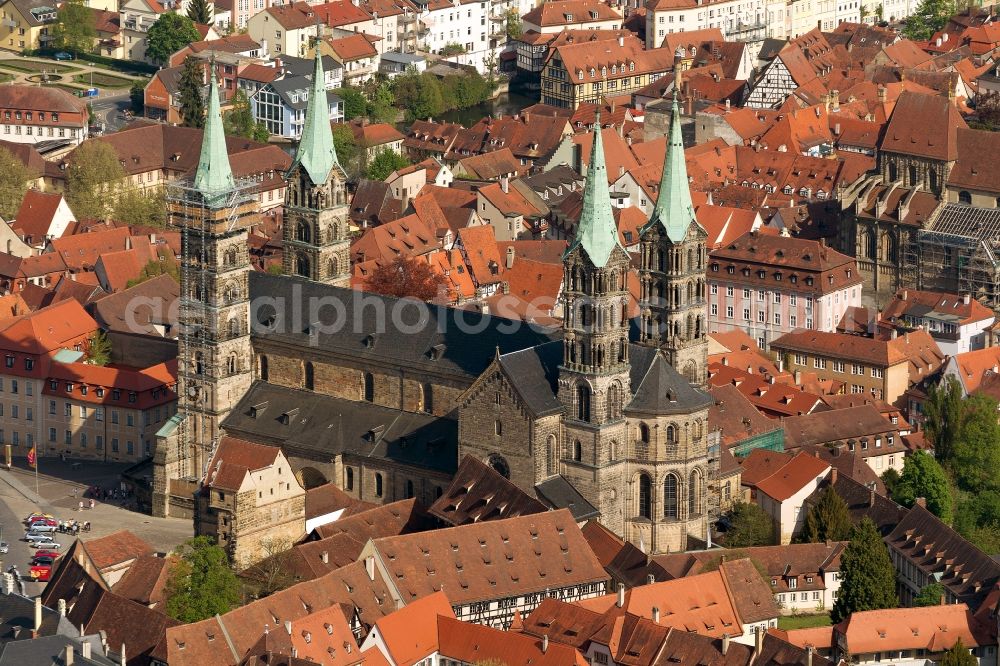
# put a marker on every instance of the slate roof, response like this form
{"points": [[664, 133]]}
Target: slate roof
{"points": [[477, 493], [559, 493], [661, 390], [17, 619], [534, 373], [314, 424], [438, 345], [52, 650]]}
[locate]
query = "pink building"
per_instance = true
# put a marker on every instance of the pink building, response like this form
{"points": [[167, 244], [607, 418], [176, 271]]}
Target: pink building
{"points": [[769, 285]]}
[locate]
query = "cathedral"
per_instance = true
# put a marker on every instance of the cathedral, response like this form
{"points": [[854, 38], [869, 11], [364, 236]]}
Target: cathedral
{"points": [[607, 416]]}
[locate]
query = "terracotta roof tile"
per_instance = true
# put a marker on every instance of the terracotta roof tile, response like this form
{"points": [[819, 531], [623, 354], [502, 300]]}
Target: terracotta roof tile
{"points": [[792, 477], [116, 548], [570, 12], [35, 216]]}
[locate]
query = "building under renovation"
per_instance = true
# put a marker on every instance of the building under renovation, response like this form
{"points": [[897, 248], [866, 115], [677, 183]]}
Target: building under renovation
{"points": [[958, 253]]}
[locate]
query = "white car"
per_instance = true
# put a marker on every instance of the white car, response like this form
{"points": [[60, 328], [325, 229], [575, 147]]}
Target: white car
{"points": [[4, 547], [44, 544], [37, 537]]}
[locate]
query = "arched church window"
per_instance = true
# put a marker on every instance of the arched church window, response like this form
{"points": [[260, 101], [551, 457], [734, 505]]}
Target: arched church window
{"points": [[368, 386], [309, 377], [694, 493], [302, 264], [263, 368], [644, 433], [670, 496], [577, 451], [583, 403], [645, 508], [303, 233]]}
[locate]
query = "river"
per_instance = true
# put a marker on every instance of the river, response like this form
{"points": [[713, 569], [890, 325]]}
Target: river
{"points": [[506, 104]]}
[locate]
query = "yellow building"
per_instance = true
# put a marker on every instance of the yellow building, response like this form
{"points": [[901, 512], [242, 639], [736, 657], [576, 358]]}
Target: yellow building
{"points": [[26, 24]]}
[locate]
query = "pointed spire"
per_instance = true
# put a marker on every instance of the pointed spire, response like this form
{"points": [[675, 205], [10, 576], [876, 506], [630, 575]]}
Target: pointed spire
{"points": [[316, 152], [674, 210], [214, 177], [597, 232]]}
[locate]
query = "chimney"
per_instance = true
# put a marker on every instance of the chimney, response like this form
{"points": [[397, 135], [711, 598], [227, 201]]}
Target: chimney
{"points": [[809, 655], [38, 615], [68, 659], [966, 299], [758, 641], [725, 644], [621, 40], [656, 615], [8, 583], [510, 257], [650, 579], [370, 567], [621, 595], [545, 643], [882, 94], [904, 295], [122, 656], [893, 334], [871, 497], [835, 101], [798, 378], [325, 556], [836, 129], [505, 184], [288, 627], [728, 104], [62, 607], [921, 502], [85, 650], [833, 475]]}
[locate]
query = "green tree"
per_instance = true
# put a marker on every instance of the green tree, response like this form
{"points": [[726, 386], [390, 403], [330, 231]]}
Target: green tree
{"points": [[381, 102], [189, 92], [958, 655], [924, 477], [137, 97], [429, 101], [868, 580], [154, 269], [749, 525], [354, 102], [201, 583], [929, 17], [169, 34], [138, 207], [346, 147], [91, 173], [240, 121], [452, 49], [200, 11], [890, 478], [14, 179], [98, 349], [828, 518], [930, 595], [514, 29], [976, 454], [384, 163], [75, 29], [943, 410]]}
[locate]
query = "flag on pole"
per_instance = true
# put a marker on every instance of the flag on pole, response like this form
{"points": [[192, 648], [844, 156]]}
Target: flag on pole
{"points": [[31, 457]]}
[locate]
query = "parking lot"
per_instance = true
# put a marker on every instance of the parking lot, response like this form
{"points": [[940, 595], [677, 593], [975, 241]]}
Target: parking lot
{"points": [[61, 487]]}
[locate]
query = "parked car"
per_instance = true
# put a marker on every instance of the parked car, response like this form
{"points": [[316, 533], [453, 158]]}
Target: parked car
{"points": [[63, 55], [40, 572], [37, 537], [4, 547], [44, 544], [46, 553], [45, 559], [37, 516], [43, 526], [42, 520]]}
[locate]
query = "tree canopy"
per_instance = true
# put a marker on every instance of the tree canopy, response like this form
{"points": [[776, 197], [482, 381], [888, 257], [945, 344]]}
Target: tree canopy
{"points": [[924, 477], [189, 92], [424, 95], [137, 97], [828, 519], [170, 33], [98, 349], [347, 149], [201, 583], [354, 102], [200, 11], [75, 28], [14, 178], [930, 595], [92, 170], [943, 411], [154, 269], [958, 655], [929, 17], [239, 121], [749, 525], [406, 277], [868, 579], [384, 163], [147, 208]]}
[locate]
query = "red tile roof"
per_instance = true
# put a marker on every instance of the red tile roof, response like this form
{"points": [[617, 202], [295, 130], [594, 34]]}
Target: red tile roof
{"points": [[47, 330], [352, 47], [932, 628], [570, 12], [234, 459], [116, 548], [35, 216], [792, 477]]}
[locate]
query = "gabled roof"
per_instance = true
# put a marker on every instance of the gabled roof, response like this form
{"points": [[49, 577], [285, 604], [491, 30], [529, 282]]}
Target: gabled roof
{"points": [[933, 628], [411, 633], [234, 459], [925, 126], [792, 477], [478, 493], [116, 548], [570, 12], [46, 330], [663, 390], [35, 216]]}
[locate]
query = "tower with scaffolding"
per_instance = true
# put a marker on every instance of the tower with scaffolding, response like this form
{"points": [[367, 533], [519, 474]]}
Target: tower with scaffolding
{"points": [[213, 211], [959, 253]]}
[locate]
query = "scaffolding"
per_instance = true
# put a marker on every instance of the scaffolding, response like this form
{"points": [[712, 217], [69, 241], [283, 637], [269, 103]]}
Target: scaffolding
{"points": [[204, 222], [958, 253]]}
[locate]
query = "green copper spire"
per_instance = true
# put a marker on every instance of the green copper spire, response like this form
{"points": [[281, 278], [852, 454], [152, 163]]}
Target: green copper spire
{"points": [[597, 232], [316, 153], [674, 209], [214, 177]]}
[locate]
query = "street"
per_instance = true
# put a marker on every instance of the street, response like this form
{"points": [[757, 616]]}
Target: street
{"points": [[109, 107]]}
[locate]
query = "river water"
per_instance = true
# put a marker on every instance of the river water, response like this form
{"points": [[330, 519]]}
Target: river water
{"points": [[506, 104]]}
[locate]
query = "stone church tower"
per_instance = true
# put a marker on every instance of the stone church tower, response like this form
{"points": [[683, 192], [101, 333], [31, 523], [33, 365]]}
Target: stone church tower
{"points": [[593, 384], [315, 242], [672, 269], [214, 214]]}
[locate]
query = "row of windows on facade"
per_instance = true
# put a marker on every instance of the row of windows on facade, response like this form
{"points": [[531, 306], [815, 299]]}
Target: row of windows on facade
{"points": [[793, 320], [408, 486], [671, 493], [148, 417], [29, 131], [29, 387], [426, 400], [762, 274], [29, 441], [27, 116], [839, 366], [777, 296]]}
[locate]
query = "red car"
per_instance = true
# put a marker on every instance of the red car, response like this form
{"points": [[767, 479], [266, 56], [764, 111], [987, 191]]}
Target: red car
{"points": [[46, 553], [42, 520], [40, 572]]}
